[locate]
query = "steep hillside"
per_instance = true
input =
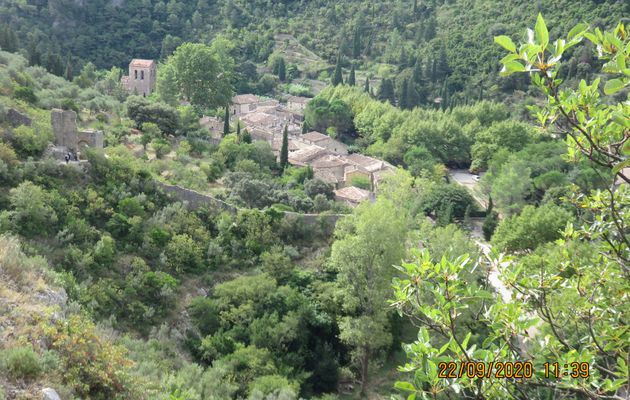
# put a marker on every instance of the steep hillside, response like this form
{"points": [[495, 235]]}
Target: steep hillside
{"points": [[449, 42]]}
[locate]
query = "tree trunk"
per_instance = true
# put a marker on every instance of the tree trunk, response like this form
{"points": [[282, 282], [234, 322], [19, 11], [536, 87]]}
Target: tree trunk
{"points": [[365, 363]]}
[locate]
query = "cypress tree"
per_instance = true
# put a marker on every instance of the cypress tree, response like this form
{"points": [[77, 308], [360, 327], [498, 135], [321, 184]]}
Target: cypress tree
{"points": [[304, 128], [68, 72], [386, 91], [54, 65], [337, 78], [282, 70], [247, 138], [404, 96], [238, 129], [352, 78], [226, 121], [34, 56], [356, 43], [413, 99], [284, 150], [415, 7], [8, 39], [417, 71], [442, 68], [366, 87]]}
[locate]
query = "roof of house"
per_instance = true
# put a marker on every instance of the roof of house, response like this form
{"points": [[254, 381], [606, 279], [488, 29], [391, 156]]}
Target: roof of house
{"points": [[210, 122], [327, 161], [244, 99], [352, 194], [378, 175], [140, 63], [260, 118], [304, 155], [277, 145], [261, 133], [298, 99], [315, 137], [325, 175], [368, 163]]}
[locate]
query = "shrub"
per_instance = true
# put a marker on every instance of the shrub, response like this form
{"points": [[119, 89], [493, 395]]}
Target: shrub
{"points": [[21, 363], [361, 182], [28, 141], [25, 93]]}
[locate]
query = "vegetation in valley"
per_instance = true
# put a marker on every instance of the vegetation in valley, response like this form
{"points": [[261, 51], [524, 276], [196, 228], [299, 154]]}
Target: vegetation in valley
{"points": [[113, 289]]}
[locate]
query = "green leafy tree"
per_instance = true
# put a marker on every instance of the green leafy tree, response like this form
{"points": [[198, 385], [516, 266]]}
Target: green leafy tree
{"points": [[511, 187], [531, 228], [199, 76], [150, 131], [183, 254], [32, 213], [368, 243], [565, 313]]}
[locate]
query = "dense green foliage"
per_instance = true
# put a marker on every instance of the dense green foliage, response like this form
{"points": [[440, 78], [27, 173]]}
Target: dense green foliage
{"points": [[245, 297]]}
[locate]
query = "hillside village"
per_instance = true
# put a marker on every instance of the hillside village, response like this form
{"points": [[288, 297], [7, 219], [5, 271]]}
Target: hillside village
{"points": [[265, 120], [314, 200]]}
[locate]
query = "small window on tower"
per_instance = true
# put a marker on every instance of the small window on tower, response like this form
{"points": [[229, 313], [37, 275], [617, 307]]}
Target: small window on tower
{"points": [[142, 75], [136, 73]]}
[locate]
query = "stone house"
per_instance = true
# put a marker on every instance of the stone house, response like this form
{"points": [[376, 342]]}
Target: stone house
{"points": [[243, 104], [352, 196], [329, 168], [142, 77], [303, 157], [325, 141], [297, 103], [352, 171]]}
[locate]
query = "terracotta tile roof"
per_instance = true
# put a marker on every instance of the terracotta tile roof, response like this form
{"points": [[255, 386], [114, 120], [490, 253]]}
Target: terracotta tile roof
{"points": [[277, 145], [244, 99], [304, 155], [352, 194], [298, 99], [260, 119], [140, 63], [315, 137], [368, 163], [327, 161], [325, 175]]}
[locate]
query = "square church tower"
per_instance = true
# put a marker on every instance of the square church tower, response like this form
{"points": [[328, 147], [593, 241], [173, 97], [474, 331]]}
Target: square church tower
{"points": [[142, 77]]}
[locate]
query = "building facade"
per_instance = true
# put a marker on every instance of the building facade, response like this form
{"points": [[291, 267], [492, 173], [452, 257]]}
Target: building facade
{"points": [[142, 77]]}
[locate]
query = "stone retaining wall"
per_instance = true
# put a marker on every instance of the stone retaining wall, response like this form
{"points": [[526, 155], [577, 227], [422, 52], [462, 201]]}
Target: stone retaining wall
{"points": [[195, 200]]}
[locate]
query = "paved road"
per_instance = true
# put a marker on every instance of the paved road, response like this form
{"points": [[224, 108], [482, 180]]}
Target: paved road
{"points": [[466, 179]]}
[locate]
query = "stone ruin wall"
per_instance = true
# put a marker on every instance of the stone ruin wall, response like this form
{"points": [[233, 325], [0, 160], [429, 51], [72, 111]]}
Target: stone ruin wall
{"points": [[64, 125]]}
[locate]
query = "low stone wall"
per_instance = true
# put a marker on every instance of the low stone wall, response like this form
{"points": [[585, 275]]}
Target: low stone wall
{"points": [[196, 200]]}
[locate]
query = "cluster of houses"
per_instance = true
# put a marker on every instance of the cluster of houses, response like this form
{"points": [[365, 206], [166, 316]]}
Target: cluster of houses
{"points": [[265, 120]]}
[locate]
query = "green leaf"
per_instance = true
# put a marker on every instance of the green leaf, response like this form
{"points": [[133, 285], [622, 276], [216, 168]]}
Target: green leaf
{"points": [[577, 30], [511, 67], [405, 386], [620, 166], [622, 120], [542, 34], [621, 62], [613, 86], [505, 42]]}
